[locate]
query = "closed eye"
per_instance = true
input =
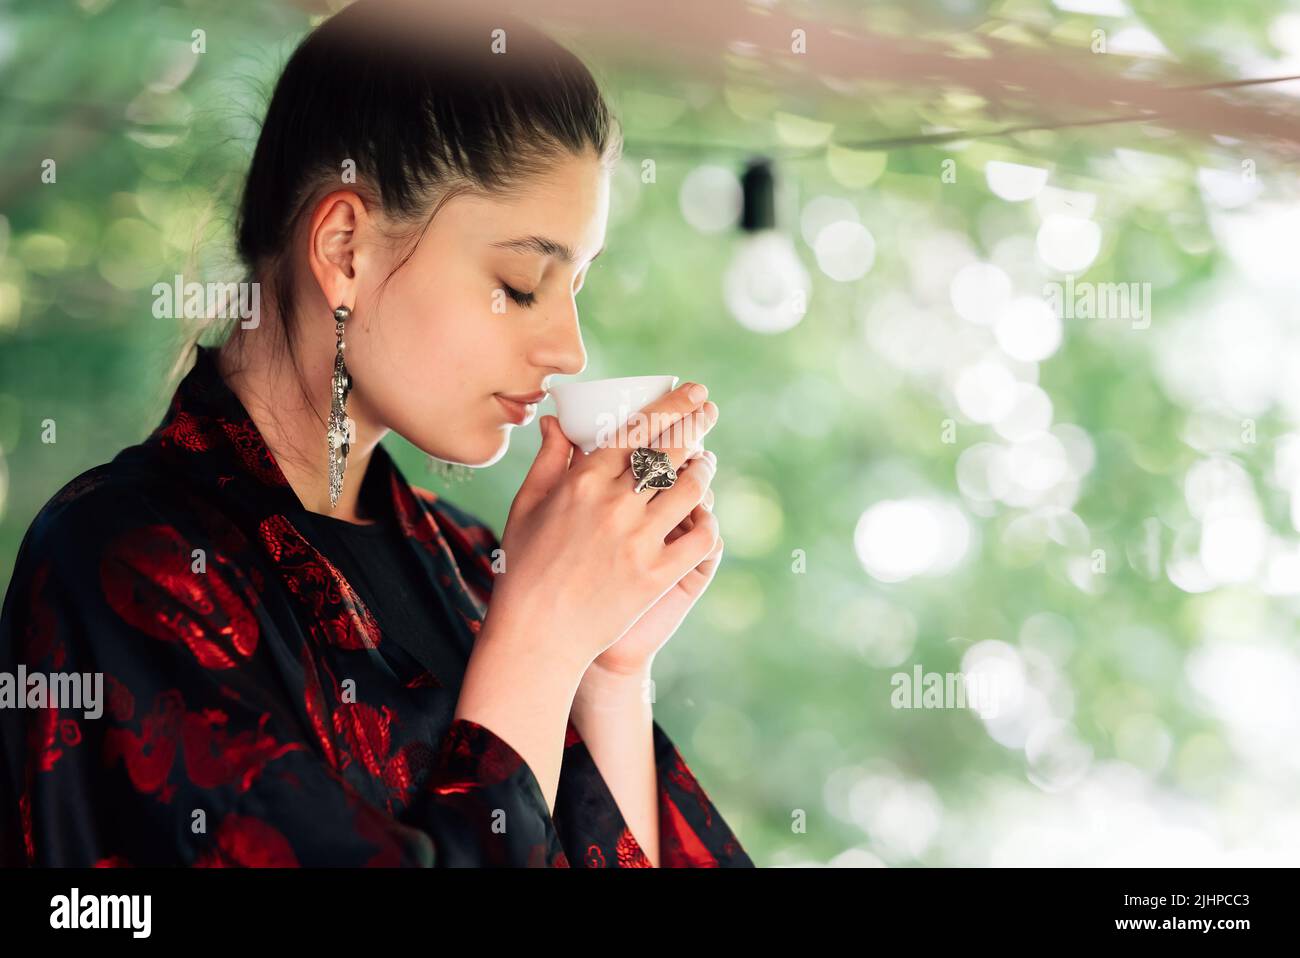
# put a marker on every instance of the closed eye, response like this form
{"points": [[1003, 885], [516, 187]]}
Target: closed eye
{"points": [[523, 299]]}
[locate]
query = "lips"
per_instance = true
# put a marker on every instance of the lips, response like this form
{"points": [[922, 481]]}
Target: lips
{"points": [[525, 399], [517, 412]]}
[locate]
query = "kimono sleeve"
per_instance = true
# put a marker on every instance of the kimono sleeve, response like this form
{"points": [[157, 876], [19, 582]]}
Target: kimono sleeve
{"points": [[692, 832], [207, 750]]}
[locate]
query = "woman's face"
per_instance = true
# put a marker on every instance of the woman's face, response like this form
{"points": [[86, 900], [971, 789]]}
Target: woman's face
{"points": [[486, 306]]}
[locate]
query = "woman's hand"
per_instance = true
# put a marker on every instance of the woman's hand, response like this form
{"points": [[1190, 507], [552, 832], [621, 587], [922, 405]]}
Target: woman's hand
{"points": [[585, 555], [632, 654]]}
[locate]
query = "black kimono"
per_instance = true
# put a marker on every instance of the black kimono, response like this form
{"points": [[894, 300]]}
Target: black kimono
{"points": [[253, 712]]}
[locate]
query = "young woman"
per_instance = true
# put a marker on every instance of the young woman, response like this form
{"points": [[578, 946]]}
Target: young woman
{"points": [[306, 660]]}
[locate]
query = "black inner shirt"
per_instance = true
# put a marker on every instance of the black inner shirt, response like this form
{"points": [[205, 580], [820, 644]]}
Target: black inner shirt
{"points": [[377, 561]]}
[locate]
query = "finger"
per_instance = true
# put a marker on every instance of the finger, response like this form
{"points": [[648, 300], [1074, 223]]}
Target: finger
{"points": [[711, 561], [692, 548], [683, 527], [690, 490], [687, 524], [685, 438], [551, 464], [641, 428], [698, 578], [679, 443]]}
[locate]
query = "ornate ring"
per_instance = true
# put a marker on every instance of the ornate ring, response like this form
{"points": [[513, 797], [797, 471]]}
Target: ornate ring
{"points": [[652, 468]]}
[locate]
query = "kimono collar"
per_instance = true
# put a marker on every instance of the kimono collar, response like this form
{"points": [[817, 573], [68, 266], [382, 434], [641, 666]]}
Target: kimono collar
{"points": [[208, 437]]}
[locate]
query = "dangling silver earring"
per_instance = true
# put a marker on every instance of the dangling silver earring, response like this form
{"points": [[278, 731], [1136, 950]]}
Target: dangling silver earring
{"points": [[450, 471], [342, 430]]}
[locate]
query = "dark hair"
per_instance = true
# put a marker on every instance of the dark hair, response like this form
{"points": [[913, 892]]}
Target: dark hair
{"points": [[426, 107]]}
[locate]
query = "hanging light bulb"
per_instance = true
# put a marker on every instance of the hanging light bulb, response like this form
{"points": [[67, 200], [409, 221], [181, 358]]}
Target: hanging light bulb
{"points": [[765, 287]]}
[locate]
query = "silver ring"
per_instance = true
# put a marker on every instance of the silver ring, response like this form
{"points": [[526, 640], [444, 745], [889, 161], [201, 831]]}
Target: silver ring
{"points": [[652, 468]]}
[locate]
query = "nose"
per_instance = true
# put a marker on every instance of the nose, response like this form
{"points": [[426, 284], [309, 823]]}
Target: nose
{"points": [[559, 343]]}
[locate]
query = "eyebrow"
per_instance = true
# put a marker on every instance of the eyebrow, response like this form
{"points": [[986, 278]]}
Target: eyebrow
{"points": [[544, 246]]}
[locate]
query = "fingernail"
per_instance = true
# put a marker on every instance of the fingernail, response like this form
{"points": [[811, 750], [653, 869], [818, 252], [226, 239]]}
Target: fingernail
{"points": [[697, 392]]}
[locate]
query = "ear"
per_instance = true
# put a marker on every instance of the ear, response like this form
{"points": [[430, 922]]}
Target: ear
{"points": [[334, 254]]}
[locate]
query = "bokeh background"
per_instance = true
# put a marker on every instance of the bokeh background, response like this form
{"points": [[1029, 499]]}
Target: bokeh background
{"points": [[921, 463]]}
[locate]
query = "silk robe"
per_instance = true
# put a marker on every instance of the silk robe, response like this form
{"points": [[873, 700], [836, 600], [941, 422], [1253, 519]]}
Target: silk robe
{"points": [[254, 714]]}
